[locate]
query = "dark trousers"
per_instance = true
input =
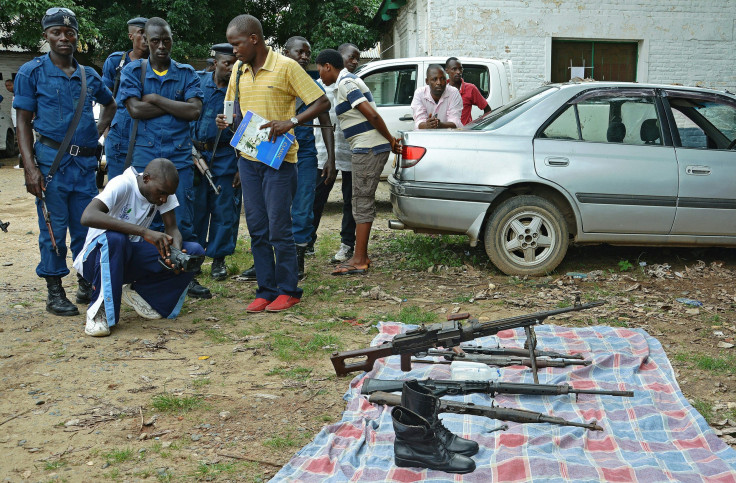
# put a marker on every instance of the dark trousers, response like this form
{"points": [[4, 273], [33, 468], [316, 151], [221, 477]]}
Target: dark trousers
{"points": [[115, 153], [267, 196], [322, 193], [216, 217], [112, 260]]}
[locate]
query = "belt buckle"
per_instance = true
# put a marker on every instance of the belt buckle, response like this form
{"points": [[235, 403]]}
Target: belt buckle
{"points": [[74, 150]]}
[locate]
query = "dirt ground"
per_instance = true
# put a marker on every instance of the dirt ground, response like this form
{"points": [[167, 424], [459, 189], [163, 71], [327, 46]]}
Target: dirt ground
{"points": [[220, 395]]}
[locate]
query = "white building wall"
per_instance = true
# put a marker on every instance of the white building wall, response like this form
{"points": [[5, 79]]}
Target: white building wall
{"points": [[688, 42]]}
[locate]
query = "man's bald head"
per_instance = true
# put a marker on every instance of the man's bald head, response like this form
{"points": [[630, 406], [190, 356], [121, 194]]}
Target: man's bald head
{"points": [[246, 24], [164, 171], [434, 68]]}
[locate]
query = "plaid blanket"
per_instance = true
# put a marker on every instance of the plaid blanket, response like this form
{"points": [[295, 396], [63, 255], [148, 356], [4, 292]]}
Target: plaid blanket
{"points": [[655, 436]]}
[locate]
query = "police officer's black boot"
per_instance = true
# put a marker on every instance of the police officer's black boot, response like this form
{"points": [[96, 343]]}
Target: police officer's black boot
{"points": [[219, 269], [57, 303], [420, 400], [198, 291], [418, 446], [84, 292], [300, 253], [249, 274]]}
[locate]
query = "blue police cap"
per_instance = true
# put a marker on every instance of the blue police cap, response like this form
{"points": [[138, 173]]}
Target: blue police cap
{"points": [[224, 48], [138, 22], [59, 17]]}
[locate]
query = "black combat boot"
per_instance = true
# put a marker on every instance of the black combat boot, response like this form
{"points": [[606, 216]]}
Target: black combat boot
{"points": [[420, 400], [249, 274], [417, 445], [57, 303], [198, 291], [84, 292], [300, 252], [219, 269]]}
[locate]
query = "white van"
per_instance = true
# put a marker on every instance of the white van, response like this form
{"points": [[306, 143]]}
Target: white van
{"points": [[393, 82]]}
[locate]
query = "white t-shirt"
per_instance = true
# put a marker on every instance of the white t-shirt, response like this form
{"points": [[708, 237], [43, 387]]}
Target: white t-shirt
{"points": [[125, 202]]}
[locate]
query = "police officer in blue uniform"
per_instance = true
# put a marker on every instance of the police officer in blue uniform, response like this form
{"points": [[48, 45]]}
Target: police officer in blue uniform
{"points": [[169, 100], [116, 143], [216, 217], [50, 87]]}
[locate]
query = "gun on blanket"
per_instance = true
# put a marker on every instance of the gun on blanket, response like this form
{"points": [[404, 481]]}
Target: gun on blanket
{"points": [[509, 351], [205, 170], [454, 388], [502, 414], [447, 334], [500, 361]]}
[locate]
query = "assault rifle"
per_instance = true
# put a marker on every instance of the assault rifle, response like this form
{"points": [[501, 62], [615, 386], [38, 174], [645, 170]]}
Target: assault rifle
{"points": [[453, 388], [502, 414], [510, 351], [501, 361], [448, 334], [201, 165], [47, 219]]}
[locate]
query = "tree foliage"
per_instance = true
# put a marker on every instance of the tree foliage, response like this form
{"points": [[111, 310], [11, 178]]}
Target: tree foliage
{"points": [[196, 24]]}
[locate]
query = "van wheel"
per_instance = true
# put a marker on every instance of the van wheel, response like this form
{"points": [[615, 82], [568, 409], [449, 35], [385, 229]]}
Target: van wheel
{"points": [[11, 147], [526, 235]]}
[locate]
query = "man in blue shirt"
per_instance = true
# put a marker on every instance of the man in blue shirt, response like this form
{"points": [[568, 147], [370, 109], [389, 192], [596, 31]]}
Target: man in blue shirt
{"points": [[170, 99], [50, 87], [116, 143], [216, 217]]}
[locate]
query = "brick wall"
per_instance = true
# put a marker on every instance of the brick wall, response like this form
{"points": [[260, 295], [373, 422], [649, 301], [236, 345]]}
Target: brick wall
{"points": [[688, 42]]}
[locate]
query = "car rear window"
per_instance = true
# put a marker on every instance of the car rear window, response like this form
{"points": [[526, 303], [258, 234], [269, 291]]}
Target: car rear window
{"points": [[510, 111]]}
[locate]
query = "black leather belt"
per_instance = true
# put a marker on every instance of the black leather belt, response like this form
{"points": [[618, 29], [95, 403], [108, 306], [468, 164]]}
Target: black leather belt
{"points": [[74, 150], [200, 146]]}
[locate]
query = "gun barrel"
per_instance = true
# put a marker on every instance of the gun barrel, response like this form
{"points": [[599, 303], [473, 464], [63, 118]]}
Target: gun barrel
{"points": [[512, 351]]}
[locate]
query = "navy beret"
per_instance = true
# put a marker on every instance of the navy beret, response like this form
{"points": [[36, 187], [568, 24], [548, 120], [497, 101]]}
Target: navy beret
{"points": [[138, 21], [59, 17], [224, 48]]}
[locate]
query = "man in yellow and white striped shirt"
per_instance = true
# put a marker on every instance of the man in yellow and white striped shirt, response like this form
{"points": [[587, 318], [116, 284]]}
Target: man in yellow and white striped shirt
{"points": [[269, 84]]}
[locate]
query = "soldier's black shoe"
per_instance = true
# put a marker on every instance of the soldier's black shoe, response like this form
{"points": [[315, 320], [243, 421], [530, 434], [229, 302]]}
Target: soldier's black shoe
{"points": [[219, 269], [84, 292], [249, 274], [198, 291], [57, 303], [300, 252]]}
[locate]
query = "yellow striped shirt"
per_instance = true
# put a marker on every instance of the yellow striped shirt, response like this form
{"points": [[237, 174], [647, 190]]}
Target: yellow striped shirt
{"points": [[272, 92]]}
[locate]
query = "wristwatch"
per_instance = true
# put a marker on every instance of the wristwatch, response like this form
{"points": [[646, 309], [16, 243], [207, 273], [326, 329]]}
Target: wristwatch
{"points": [[294, 121]]}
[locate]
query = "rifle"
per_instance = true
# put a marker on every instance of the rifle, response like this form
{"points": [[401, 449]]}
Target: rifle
{"points": [[453, 388], [447, 334], [47, 219], [502, 361], [205, 170], [509, 351], [502, 414]]}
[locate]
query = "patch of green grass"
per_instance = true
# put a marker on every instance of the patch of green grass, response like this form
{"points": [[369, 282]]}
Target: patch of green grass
{"points": [[209, 471], [461, 299], [705, 408], [412, 314], [299, 373], [722, 364], [116, 456], [54, 465], [217, 336], [201, 382], [419, 252], [167, 403], [290, 347], [280, 442], [624, 266], [563, 304], [113, 474], [326, 418]]}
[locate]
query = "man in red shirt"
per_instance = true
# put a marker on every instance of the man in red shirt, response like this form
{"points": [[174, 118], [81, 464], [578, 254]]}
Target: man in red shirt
{"points": [[470, 94]]}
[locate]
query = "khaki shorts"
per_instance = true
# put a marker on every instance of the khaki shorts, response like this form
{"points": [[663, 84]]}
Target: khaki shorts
{"points": [[367, 169]]}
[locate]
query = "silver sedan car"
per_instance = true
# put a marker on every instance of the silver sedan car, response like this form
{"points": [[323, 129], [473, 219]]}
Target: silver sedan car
{"points": [[584, 163]]}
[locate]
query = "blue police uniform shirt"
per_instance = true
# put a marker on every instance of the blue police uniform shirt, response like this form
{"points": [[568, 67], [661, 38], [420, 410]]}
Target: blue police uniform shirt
{"points": [[120, 126], [44, 89], [164, 136], [305, 134], [109, 68], [205, 130]]}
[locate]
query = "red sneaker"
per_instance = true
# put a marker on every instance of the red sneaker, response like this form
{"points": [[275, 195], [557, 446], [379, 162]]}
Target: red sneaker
{"points": [[282, 302], [258, 305]]}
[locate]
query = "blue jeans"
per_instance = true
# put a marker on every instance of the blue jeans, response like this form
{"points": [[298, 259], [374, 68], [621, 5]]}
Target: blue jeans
{"points": [[267, 195], [302, 212], [322, 193], [216, 217]]}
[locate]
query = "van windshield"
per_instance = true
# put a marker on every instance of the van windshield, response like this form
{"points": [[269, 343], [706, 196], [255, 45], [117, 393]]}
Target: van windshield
{"points": [[510, 111]]}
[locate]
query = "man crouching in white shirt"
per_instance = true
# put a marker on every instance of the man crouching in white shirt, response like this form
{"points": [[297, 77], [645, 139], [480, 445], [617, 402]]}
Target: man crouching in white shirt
{"points": [[120, 249]]}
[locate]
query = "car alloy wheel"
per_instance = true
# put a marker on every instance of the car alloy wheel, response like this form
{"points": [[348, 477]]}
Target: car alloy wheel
{"points": [[526, 235]]}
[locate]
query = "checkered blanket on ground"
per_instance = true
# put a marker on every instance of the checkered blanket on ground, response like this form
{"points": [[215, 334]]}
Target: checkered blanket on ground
{"points": [[655, 436]]}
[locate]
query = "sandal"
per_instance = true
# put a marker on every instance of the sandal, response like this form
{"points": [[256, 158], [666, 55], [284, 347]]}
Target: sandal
{"points": [[350, 270]]}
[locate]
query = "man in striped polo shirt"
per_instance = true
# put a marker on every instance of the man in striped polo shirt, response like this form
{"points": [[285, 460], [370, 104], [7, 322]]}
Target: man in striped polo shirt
{"points": [[370, 143]]}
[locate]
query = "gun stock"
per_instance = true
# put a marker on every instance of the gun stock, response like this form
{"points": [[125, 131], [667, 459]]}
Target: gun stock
{"points": [[370, 356]]}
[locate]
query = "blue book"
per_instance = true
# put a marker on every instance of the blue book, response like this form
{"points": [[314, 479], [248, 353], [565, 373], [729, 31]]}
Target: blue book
{"points": [[253, 141]]}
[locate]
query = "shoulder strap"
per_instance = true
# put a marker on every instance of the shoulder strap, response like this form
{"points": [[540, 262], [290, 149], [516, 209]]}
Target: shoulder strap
{"points": [[72, 127], [237, 112], [134, 127], [118, 71]]}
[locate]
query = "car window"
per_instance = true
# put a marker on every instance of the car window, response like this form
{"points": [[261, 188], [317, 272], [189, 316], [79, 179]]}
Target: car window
{"points": [[564, 127], [394, 86], [478, 75], [508, 112], [704, 124]]}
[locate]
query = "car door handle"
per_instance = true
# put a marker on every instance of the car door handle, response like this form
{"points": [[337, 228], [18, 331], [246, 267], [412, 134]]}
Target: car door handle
{"points": [[556, 161], [406, 117], [698, 170]]}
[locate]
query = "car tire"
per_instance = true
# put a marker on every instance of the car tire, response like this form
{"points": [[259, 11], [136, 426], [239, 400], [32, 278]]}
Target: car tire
{"points": [[11, 147], [526, 235]]}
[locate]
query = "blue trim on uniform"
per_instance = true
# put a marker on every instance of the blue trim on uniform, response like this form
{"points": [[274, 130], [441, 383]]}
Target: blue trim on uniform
{"points": [[343, 107], [106, 289], [359, 128], [354, 96], [381, 148], [368, 96], [174, 313]]}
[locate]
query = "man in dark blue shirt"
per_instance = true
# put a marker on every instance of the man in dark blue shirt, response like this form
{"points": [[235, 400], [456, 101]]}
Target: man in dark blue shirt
{"points": [[49, 88], [116, 143], [216, 217]]}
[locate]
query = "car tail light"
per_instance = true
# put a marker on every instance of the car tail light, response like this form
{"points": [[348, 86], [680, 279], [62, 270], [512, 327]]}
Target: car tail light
{"points": [[410, 155]]}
